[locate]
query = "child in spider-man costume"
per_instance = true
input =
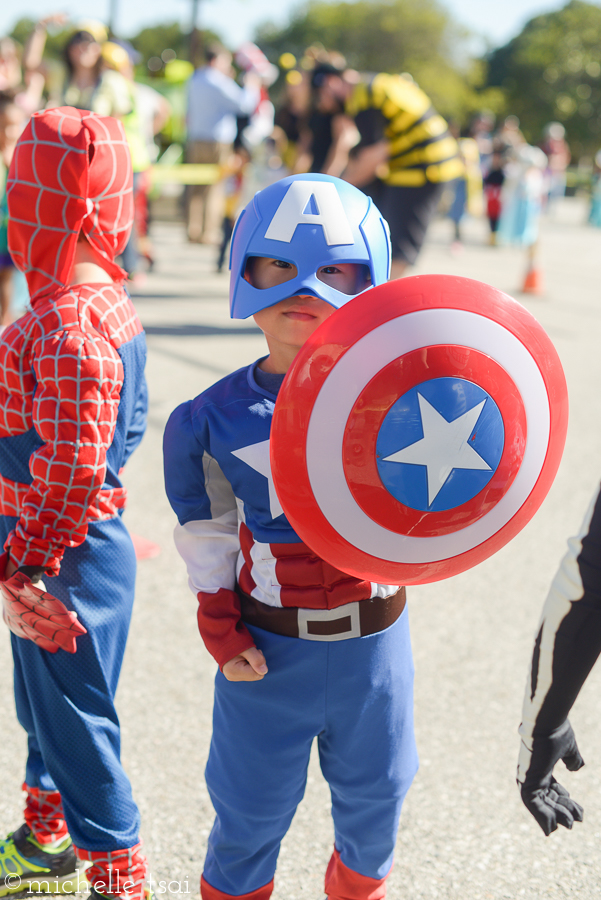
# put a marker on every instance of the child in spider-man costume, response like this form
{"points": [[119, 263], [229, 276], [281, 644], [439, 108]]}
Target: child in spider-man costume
{"points": [[72, 409]]}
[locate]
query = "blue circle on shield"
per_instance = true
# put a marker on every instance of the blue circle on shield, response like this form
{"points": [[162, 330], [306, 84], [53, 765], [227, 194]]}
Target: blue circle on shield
{"points": [[440, 444]]}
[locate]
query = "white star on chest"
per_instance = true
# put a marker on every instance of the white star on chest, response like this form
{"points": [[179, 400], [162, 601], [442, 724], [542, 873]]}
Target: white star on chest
{"points": [[257, 457], [444, 446]]}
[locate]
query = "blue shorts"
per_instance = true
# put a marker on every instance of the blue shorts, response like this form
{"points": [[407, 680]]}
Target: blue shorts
{"points": [[356, 698]]}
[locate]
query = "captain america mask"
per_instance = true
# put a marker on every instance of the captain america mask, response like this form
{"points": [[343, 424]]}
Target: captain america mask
{"points": [[315, 228]]}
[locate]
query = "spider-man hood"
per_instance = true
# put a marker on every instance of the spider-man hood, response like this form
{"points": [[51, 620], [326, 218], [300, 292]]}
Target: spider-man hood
{"points": [[71, 171]]}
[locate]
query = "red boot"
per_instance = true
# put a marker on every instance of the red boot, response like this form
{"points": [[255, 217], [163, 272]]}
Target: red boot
{"points": [[208, 892], [344, 884]]}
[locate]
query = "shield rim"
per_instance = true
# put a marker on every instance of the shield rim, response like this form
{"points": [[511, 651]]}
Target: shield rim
{"points": [[335, 336]]}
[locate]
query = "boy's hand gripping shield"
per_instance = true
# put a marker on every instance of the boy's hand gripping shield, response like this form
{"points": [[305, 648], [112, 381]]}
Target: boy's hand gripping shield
{"points": [[419, 429]]}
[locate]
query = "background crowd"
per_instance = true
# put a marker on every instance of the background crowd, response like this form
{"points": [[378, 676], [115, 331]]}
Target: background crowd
{"points": [[243, 117]]}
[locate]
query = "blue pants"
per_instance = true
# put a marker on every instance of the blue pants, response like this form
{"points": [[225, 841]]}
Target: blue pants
{"points": [[65, 701], [356, 697]]}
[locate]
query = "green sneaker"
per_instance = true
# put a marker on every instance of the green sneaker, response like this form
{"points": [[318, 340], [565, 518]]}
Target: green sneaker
{"points": [[27, 867]]}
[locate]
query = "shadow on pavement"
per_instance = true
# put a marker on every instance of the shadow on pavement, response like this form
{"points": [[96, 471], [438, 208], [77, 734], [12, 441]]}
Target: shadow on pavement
{"points": [[198, 330], [197, 363]]}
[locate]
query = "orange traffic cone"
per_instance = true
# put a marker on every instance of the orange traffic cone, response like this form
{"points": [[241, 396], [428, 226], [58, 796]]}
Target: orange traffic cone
{"points": [[533, 282]]}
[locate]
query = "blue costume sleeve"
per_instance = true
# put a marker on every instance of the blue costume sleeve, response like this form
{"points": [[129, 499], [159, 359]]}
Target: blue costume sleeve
{"points": [[137, 426], [184, 469]]}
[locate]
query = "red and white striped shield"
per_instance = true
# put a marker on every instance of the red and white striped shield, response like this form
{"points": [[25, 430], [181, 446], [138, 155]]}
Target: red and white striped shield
{"points": [[419, 429]]}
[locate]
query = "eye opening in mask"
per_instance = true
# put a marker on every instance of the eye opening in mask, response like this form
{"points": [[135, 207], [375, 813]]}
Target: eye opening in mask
{"points": [[347, 277], [264, 272]]}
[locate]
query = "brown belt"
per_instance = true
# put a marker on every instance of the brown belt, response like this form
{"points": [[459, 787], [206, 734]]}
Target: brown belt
{"points": [[352, 620]]}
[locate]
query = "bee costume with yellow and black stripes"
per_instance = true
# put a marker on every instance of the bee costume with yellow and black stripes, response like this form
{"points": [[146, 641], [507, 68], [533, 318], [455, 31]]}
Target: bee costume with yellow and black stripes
{"points": [[394, 108]]}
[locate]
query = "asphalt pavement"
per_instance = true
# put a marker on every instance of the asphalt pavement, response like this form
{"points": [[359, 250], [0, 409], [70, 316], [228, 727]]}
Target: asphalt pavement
{"points": [[464, 833]]}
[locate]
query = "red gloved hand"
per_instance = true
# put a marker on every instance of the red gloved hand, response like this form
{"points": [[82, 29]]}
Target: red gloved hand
{"points": [[37, 616]]}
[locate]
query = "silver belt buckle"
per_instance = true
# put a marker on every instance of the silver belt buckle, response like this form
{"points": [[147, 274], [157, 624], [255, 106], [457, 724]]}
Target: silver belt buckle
{"points": [[330, 615]]}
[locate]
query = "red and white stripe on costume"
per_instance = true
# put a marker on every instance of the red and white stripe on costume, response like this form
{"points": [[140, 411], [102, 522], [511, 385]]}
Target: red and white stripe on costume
{"points": [[292, 575], [276, 574]]}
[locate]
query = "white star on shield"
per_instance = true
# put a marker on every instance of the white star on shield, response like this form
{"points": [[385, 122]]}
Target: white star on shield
{"points": [[444, 446]]}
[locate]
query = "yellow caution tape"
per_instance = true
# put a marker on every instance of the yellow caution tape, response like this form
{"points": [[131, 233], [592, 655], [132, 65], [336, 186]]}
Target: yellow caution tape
{"points": [[186, 173]]}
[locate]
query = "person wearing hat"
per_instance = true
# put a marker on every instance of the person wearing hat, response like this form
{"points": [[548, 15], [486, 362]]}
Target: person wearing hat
{"points": [[405, 153], [88, 85]]}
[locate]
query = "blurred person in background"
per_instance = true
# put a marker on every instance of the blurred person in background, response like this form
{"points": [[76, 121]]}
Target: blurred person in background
{"points": [[481, 131], [329, 134], [89, 84], [233, 184], [522, 203], [557, 151], [405, 155], [595, 210], [508, 139], [29, 94], [148, 115], [214, 101], [27, 87], [12, 123], [292, 115], [493, 188], [10, 67], [467, 195], [257, 126]]}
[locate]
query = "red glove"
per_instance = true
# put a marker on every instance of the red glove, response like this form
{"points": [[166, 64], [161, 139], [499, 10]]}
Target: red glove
{"points": [[37, 616]]}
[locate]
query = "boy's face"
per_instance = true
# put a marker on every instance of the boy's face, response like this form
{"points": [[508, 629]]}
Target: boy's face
{"points": [[292, 321]]}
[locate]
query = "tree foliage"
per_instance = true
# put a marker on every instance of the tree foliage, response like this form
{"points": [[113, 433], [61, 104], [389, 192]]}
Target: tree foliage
{"points": [[552, 72], [414, 36], [169, 36]]}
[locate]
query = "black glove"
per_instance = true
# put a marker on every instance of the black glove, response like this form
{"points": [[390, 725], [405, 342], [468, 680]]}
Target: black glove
{"points": [[547, 800]]}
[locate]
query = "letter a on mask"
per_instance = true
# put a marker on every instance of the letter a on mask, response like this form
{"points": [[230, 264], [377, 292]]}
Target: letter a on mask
{"points": [[302, 196]]}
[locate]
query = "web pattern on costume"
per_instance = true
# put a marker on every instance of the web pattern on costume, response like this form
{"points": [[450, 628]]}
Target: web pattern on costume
{"points": [[119, 873], [54, 189], [61, 374], [44, 815]]}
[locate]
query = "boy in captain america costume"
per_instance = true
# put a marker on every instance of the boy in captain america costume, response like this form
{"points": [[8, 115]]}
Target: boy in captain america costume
{"points": [[72, 409], [304, 649]]}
